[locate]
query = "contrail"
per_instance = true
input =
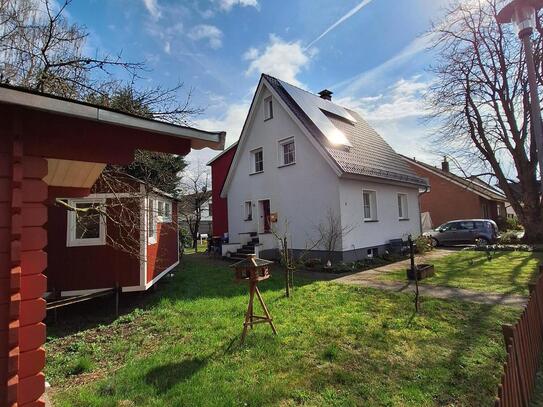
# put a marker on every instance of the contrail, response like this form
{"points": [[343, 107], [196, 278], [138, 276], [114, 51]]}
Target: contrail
{"points": [[349, 14]]}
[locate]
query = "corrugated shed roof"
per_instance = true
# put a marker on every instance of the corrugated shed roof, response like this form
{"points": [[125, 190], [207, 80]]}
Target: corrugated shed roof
{"points": [[370, 155]]}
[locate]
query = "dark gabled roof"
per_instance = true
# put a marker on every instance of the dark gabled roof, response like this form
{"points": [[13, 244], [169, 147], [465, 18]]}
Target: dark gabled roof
{"points": [[369, 154], [474, 184]]}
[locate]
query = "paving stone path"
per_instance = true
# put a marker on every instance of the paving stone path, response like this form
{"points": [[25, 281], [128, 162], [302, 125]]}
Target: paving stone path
{"points": [[370, 278]]}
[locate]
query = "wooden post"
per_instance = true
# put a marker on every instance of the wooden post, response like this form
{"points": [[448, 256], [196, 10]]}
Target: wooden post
{"points": [[414, 271]]}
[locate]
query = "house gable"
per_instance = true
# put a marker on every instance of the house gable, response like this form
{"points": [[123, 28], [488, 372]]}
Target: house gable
{"points": [[257, 107]]}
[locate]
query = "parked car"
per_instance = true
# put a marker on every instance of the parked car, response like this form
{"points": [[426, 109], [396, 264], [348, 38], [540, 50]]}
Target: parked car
{"points": [[465, 231]]}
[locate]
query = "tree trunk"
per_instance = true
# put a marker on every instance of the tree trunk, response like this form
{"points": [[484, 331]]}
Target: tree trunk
{"points": [[533, 225]]}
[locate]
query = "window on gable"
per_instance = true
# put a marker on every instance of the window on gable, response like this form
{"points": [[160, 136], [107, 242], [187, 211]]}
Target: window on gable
{"points": [[248, 210], [369, 200], [86, 223], [268, 108], [402, 206], [287, 152], [257, 160]]}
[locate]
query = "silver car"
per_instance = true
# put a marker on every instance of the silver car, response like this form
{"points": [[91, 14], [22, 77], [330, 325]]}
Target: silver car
{"points": [[465, 231]]}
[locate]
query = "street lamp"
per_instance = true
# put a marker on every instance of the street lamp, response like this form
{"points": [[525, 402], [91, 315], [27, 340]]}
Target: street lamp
{"points": [[523, 13]]}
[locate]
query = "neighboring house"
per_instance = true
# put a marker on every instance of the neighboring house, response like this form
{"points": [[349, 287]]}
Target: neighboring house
{"points": [[301, 160], [129, 241], [453, 197], [189, 205], [220, 165]]}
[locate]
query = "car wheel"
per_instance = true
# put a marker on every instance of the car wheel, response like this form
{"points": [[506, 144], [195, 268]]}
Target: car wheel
{"points": [[434, 241], [481, 242]]}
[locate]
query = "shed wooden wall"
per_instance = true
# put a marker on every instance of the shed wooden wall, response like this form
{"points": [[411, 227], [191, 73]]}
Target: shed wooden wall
{"points": [[87, 267], [165, 252], [219, 210]]}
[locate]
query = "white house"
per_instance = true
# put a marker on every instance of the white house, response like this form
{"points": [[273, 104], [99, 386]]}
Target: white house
{"points": [[302, 160]]}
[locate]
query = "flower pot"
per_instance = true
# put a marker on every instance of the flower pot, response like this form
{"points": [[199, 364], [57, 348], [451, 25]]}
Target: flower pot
{"points": [[423, 271]]}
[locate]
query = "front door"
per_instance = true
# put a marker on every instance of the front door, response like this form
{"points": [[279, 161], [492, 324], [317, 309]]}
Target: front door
{"points": [[265, 225]]}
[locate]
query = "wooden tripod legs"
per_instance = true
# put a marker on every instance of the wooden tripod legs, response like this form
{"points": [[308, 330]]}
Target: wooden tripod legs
{"points": [[250, 317]]}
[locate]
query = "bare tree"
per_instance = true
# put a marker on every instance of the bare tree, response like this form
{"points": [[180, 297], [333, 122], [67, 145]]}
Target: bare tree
{"points": [[195, 193], [41, 49], [480, 97], [331, 232]]}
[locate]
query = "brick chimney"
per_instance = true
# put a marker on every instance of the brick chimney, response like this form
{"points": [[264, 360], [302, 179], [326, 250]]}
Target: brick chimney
{"points": [[326, 94], [445, 165]]}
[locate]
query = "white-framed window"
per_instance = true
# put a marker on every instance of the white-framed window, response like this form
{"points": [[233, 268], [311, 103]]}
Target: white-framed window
{"points": [[210, 208], [167, 211], [403, 211], [248, 210], [151, 220], [257, 161], [287, 151], [86, 223], [160, 208], [369, 201], [268, 108]]}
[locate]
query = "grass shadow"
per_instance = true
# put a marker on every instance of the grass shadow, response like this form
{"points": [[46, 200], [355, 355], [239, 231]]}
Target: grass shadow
{"points": [[164, 377]]}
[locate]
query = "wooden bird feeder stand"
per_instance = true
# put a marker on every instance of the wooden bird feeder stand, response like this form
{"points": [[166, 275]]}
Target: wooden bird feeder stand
{"points": [[254, 270]]}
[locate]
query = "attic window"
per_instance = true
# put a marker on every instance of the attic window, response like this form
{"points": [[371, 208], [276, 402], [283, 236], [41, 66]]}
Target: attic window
{"points": [[268, 108]]}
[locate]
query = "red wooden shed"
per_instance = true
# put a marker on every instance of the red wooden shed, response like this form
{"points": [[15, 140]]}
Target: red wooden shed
{"points": [[128, 240], [52, 147]]}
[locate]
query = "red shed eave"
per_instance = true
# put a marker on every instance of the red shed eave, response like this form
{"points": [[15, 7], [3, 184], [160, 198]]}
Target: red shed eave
{"points": [[26, 99]]}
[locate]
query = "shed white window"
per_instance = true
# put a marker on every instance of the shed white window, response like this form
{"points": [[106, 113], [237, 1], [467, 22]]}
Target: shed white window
{"points": [[86, 223], [167, 212], [163, 211], [248, 210], [369, 200], [287, 151], [403, 212], [151, 220], [268, 108], [257, 161]]}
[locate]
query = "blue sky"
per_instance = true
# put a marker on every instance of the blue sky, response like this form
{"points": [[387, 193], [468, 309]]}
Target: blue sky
{"points": [[371, 54]]}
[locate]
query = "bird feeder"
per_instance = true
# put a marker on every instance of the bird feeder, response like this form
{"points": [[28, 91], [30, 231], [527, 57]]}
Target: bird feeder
{"points": [[253, 270]]}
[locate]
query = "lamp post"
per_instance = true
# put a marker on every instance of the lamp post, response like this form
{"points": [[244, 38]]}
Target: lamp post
{"points": [[523, 13]]}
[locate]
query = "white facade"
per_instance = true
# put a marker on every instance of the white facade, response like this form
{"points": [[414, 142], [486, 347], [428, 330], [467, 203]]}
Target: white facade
{"points": [[303, 194]]}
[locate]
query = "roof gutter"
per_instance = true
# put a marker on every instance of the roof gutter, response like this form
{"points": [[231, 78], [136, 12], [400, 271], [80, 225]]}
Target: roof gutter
{"points": [[199, 138]]}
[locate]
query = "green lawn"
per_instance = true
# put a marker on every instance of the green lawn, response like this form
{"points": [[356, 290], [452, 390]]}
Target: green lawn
{"points": [[337, 346], [506, 272]]}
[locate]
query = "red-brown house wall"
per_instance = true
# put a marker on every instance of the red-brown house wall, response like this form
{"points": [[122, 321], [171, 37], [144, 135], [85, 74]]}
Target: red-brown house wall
{"points": [[219, 210], [87, 267], [448, 201], [165, 252]]}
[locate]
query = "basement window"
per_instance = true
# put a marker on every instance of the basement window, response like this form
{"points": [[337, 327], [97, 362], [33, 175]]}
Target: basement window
{"points": [[86, 223]]}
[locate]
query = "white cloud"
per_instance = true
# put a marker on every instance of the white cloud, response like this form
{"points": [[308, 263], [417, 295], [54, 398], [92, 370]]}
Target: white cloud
{"points": [[153, 8], [403, 99], [345, 17], [279, 58], [227, 5], [373, 76], [207, 32]]}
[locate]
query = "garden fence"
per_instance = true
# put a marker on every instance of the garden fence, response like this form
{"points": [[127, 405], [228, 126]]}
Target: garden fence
{"points": [[524, 343]]}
